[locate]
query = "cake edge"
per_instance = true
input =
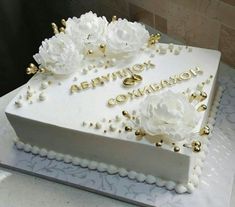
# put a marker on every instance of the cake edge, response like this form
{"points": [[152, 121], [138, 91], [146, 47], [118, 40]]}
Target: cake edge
{"points": [[133, 175]]}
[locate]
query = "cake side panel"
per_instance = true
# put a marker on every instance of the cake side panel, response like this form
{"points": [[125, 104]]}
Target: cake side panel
{"points": [[122, 153]]}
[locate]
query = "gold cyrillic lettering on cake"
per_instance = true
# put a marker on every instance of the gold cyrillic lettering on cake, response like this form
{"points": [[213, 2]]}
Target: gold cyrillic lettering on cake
{"points": [[185, 75], [85, 85], [122, 98]]}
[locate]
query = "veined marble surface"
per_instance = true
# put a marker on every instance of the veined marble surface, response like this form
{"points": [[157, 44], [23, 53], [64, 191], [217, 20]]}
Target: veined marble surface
{"points": [[17, 189]]}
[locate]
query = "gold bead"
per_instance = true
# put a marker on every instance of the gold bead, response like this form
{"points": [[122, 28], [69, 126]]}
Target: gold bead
{"points": [[202, 96], [55, 28], [42, 70], [152, 42], [102, 48], [158, 36], [62, 29], [196, 149], [90, 52], [31, 65], [63, 22], [158, 144], [126, 114], [139, 132], [114, 18], [28, 71], [204, 131], [192, 97], [196, 143], [176, 149], [53, 25], [128, 128], [203, 107]]}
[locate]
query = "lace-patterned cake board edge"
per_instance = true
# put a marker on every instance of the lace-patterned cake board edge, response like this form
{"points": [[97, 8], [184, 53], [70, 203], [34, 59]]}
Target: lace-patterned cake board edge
{"points": [[125, 189]]}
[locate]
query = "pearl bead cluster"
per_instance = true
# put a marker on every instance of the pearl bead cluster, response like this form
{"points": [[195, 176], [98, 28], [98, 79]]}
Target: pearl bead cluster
{"points": [[33, 94]]}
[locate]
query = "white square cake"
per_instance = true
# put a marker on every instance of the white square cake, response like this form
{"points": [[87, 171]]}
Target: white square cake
{"points": [[110, 97]]}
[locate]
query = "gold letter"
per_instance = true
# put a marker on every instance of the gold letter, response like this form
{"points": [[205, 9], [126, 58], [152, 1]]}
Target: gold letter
{"points": [[121, 98], [85, 85], [96, 81], [185, 75]]}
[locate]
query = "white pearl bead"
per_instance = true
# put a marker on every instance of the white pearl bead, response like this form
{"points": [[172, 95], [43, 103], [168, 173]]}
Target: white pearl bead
{"points": [[42, 97]]}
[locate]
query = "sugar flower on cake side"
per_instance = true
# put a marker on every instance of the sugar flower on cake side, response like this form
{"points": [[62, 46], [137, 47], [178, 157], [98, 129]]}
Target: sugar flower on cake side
{"points": [[59, 55], [169, 115]]}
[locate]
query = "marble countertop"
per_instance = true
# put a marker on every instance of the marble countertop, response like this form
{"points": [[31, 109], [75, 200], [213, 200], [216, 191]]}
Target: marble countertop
{"points": [[17, 189]]}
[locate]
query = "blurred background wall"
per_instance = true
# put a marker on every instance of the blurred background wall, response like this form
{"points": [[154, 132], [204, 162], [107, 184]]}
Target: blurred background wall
{"points": [[25, 23]]}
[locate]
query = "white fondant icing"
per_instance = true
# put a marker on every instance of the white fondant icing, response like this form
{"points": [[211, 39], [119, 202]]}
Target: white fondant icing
{"points": [[170, 185]]}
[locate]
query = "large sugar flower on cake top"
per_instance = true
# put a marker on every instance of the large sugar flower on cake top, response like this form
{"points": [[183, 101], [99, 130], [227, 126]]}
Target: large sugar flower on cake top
{"points": [[125, 38], [88, 30], [59, 55], [168, 114]]}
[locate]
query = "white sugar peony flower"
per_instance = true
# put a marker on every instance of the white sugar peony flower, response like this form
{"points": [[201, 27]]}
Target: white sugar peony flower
{"points": [[88, 29], [59, 55], [168, 114], [125, 38]]}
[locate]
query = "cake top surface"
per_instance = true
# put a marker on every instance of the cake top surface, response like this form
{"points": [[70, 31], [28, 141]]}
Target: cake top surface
{"points": [[117, 81]]}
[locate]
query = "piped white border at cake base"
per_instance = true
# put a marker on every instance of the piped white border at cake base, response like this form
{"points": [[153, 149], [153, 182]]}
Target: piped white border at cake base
{"points": [[140, 177]]}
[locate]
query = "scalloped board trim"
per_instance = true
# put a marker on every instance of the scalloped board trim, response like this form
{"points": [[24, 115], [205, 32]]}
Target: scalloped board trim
{"points": [[140, 177]]}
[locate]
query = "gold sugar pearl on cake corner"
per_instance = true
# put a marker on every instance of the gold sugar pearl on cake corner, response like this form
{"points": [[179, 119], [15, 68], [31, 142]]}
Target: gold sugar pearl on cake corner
{"points": [[158, 144]]}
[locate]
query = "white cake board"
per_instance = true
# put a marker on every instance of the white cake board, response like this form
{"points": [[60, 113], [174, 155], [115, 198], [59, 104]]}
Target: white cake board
{"points": [[216, 180]]}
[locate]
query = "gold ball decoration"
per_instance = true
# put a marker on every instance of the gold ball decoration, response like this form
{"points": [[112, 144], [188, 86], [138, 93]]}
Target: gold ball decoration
{"points": [[62, 29], [114, 18], [196, 149], [28, 71], [158, 36], [201, 108], [176, 149], [192, 97], [102, 48], [90, 52], [63, 22], [128, 128], [196, 143], [158, 144], [139, 132], [55, 28], [126, 114], [205, 131], [202, 96]]}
